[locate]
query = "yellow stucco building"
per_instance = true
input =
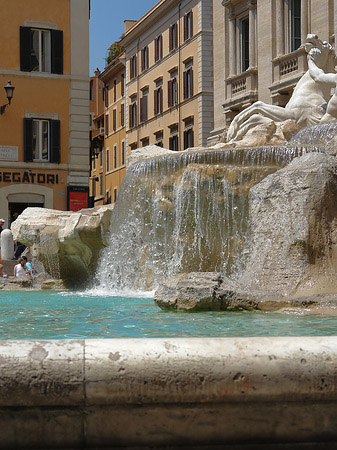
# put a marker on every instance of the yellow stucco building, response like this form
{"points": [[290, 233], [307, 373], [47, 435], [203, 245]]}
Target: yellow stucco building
{"points": [[108, 160], [44, 133]]}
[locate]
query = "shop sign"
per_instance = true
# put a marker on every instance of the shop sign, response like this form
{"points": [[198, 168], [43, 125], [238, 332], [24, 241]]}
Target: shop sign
{"points": [[28, 177], [78, 197], [9, 153]]}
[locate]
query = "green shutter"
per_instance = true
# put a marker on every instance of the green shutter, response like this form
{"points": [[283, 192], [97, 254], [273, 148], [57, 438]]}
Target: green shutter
{"points": [[25, 49], [57, 51], [28, 140], [55, 141]]}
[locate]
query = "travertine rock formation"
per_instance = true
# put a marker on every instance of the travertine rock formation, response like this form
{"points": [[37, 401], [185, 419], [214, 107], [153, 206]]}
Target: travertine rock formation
{"points": [[293, 219], [67, 243]]}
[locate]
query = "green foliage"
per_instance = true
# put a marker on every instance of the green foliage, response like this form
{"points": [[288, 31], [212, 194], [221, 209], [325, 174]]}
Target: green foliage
{"points": [[114, 50]]}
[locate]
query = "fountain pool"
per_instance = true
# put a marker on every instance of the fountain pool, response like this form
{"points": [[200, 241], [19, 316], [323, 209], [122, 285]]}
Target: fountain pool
{"points": [[74, 315]]}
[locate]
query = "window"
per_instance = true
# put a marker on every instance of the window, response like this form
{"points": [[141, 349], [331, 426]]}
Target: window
{"points": [[106, 95], [173, 142], [41, 50], [107, 125], [145, 141], [93, 163], [188, 138], [158, 48], [133, 67], [145, 58], [123, 153], [101, 158], [172, 89], [108, 197], [107, 160], [133, 113], [143, 106], [100, 184], [295, 24], [115, 194], [188, 25], [115, 90], [114, 119], [115, 156], [122, 84], [173, 43], [42, 140], [188, 83], [158, 99], [244, 43], [159, 138], [122, 115], [91, 90]]}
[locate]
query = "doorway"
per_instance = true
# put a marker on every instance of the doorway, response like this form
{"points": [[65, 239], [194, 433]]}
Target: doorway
{"points": [[15, 209]]}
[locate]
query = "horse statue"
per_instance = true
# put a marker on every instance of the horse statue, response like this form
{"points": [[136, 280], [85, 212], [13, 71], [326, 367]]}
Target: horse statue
{"points": [[307, 104]]}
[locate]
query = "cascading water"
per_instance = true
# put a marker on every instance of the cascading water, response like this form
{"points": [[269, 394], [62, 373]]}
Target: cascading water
{"points": [[316, 135], [184, 213]]}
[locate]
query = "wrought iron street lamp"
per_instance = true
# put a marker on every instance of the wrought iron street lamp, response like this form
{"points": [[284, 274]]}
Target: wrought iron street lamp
{"points": [[9, 94]]}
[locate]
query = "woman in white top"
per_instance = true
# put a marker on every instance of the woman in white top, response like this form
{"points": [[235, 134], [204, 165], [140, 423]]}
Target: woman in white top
{"points": [[20, 268]]}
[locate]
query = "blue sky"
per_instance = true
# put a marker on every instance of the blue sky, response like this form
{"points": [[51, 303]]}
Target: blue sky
{"points": [[107, 25]]}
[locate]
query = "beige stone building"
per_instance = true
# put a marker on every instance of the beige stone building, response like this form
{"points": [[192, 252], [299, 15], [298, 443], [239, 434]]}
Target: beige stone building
{"points": [[259, 53], [169, 75]]}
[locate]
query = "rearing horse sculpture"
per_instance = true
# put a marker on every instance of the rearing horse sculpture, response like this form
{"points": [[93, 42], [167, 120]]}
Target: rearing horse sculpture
{"points": [[307, 104]]}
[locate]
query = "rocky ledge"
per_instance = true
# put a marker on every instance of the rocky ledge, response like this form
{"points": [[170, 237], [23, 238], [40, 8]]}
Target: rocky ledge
{"points": [[40, 281], [209, 291]]}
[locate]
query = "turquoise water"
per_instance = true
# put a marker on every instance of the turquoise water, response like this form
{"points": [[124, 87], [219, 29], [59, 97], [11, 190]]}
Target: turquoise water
{"points": [[69, 315]]}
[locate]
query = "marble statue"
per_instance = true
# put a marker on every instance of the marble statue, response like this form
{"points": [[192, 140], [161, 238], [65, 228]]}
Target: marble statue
{"points": [[308, 103]]}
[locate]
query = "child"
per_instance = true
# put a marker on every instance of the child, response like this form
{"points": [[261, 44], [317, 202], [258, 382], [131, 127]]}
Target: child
{"points": [[2, 273]]}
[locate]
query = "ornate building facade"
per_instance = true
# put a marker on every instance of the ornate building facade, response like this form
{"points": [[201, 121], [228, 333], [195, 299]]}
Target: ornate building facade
{"points": [[259, 51]]}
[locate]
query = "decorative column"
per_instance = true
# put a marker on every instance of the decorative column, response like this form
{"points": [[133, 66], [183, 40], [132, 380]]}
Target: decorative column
{"points": [[232, 49], [304, 20], [279, 28], [252, 30]]}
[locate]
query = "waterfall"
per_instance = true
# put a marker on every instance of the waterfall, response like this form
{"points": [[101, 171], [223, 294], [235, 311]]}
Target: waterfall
{"points": [[183, 213], [316, 135]]}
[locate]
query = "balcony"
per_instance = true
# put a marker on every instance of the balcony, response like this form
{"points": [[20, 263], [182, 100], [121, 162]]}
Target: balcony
{"points": [[241, 91], [287, 70]]}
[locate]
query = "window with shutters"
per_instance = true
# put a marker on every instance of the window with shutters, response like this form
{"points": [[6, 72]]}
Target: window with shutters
{"points": [[173, 37], [122, 115], [123, 153], [133, 113], [106, 95], [115, 194], [108, 197], [145, 58], [158, 48], [144, 106], [188, 25], [159, 138], [122, 84], [42, 140], [115, 90], [172, 91], [101, 158], [173, 140], [107, 124], [158, 98], [133, 67], [114, 119], [188, 83], [145, 141], [115, 156], [188, 138], [107, 160], [41, 50]]}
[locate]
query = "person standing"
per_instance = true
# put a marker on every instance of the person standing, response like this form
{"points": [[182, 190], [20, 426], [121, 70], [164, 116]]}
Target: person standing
{"points": [[2, 222], [20, 268]]}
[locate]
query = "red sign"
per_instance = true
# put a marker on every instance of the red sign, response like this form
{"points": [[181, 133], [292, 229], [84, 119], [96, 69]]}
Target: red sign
{"points": [[78, 200]]}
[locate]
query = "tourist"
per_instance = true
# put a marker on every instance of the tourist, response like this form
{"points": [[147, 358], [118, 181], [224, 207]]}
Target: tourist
{"points": [[2, 273], [2, 222], [20, 268], [28, 265]]}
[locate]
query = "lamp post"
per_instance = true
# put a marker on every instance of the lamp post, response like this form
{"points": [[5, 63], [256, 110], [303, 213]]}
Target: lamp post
{"points": [[9, 89]]}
